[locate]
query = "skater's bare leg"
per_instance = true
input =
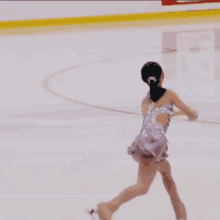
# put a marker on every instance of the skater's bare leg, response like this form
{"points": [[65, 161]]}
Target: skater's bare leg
{"points": [[146, 174], [165, 169]]}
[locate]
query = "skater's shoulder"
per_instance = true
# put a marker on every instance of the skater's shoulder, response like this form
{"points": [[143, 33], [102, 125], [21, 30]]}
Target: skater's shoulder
{"points": [[172, 95]]}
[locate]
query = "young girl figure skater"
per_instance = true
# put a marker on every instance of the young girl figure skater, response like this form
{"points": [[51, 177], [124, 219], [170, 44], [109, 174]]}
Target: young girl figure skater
{"points": [[150, 146]]}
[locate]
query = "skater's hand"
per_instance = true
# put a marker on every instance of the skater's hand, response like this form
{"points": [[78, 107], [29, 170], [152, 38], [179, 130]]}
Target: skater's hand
{"points": [[194, 115], [193, 118]]}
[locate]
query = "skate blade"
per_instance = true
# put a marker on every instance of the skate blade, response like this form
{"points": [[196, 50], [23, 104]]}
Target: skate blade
{"points": [[93, 214]]}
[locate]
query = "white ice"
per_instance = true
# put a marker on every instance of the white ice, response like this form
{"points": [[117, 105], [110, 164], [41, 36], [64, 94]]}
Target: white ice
{"points": [[59, 157]]}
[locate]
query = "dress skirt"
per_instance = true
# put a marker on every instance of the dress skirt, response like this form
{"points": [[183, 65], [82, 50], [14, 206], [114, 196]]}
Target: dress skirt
{"points": [[150, 146]]}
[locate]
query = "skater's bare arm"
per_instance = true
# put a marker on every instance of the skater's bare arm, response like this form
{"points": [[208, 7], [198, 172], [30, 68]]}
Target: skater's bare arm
{"points": [[178, 113], [183, 107]]}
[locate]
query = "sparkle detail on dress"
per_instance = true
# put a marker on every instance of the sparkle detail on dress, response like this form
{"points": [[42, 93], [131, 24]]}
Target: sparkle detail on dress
{"points": [[152, 135]]}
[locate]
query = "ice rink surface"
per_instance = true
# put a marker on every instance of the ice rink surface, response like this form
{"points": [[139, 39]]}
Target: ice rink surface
{"points": [[61, 152]]}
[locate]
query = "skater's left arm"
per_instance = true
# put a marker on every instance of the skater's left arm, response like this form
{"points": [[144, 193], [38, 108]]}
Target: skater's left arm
{"points": [[178, 113]]}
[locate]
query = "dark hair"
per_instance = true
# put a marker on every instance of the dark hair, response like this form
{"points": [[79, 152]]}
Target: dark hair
{"points": [[154, 70]]}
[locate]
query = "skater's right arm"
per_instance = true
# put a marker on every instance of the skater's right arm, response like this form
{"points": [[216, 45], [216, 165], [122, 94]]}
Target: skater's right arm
{"points": [[192, 115]]}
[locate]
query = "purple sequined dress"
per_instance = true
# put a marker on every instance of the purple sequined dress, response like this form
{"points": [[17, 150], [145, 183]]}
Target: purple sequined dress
{"points": [[152, 135]]}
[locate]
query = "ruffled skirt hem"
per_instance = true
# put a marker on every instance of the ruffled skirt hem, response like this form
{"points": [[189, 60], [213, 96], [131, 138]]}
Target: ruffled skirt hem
{"points": [[150, 147]]}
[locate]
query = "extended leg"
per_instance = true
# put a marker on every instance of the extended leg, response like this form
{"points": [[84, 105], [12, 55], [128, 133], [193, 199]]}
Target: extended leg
{"points": [[170, 186], [147, 172]]}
